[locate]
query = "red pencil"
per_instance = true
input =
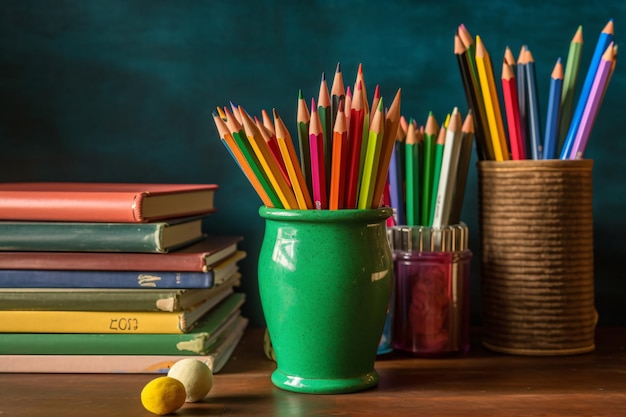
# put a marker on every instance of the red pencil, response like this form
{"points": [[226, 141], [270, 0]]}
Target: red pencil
{"points": [[318, 167], [511, 106], [355, 138]]}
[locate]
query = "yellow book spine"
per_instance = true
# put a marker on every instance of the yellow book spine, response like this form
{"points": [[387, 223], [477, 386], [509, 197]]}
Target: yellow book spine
{"points": [[122, 322]]}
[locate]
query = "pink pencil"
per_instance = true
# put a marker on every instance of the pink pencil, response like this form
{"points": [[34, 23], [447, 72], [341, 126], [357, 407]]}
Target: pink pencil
{"points": [[318, 167]]}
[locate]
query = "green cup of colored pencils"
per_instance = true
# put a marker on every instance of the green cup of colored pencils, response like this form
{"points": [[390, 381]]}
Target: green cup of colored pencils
{"points": [[325, 263]]}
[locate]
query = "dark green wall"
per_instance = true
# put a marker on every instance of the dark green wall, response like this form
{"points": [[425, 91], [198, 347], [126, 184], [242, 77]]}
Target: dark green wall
{"points": [[123, 91]]}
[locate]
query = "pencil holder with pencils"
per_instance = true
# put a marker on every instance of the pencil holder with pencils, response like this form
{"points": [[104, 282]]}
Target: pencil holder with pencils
{"points": [[536, 240], [432, 289]]}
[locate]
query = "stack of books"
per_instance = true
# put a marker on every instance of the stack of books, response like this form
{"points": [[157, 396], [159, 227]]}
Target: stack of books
{"points": [[115, 278]]}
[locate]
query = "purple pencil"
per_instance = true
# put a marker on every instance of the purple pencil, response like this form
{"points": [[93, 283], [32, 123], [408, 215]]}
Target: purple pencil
{"points": [[593, 103]]}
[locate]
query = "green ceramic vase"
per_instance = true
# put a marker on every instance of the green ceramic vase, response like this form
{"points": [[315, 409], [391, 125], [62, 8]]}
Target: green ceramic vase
{"points": [[325, 279]]}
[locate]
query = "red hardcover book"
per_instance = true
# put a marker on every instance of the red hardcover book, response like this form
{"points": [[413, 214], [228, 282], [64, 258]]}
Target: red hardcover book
{"points": [[198, 257], [103, 202]]}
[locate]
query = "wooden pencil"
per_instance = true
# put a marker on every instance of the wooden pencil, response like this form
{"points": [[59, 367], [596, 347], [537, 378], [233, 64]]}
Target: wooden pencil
{"points": [[392, 121], [318, 168], [268, 163], [412, 168], [430, 138], [511, 107], [372, 157], [439, 147], [324, 113], [237, 154], [303, 120], [270, 139], [337, 94], [355, 139], [465, 156], [240, 138], [490, 98], [522, 99], [339, 159], [483, 145], [534, 118], [267, 121], [551, 134], [570, 81], [290, 158], [449, 166]]}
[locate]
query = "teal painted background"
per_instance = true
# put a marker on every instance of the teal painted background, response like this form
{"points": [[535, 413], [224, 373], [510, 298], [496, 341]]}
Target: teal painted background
{"points": [[123, 91]]}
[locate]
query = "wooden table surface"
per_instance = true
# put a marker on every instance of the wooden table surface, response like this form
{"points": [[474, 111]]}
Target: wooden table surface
{"points": [[481, 384]]}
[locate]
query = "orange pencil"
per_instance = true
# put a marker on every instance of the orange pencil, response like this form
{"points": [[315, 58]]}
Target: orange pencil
{"points": [[267, 161], [392, 121], [288, 153], [338, 171], [318, 168]]}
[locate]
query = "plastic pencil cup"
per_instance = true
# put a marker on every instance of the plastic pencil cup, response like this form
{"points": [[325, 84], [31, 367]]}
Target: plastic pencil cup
{"points": [[432, 289], [325, 280], [536, 240]]}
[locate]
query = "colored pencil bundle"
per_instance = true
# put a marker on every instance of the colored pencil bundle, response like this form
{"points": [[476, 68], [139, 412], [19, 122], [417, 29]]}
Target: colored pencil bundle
{"points": [[428, 170], [566, 129], [345, 146]]}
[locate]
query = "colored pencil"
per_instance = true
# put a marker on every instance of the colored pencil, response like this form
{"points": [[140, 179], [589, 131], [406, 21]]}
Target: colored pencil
{"points": [[303, 120], [396, 178], [372, 157], [551, 135], [270, 139], [522, 98], [337, 94], [439, 147], [324, 112], [449, 166], [347, 107], [392, 121], [355, 139], [268, 163], [430, 138], [605, 38], [570, 79], [237, 154], [490, 98], [593, 103], [511, 106], [483, 146], [465, 156], [339, 158], [267, 121], [534, 120], [412, 168], [318, 168], [290, 158]]}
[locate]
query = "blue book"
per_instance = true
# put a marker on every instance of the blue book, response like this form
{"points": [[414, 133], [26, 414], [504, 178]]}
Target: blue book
{"points": [[37, 278]]}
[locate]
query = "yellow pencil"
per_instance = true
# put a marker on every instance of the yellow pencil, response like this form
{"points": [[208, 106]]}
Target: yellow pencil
{"points": [[288, 152], [263, 153], [492, 104]]}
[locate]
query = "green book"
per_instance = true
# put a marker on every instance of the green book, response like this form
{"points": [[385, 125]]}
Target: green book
{"points": [[157, 237], [196, 342], [109, 299]]}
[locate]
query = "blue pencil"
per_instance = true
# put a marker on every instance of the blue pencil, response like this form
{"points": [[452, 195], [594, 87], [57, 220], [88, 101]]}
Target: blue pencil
{"points": [[534, 122], [554, 110], [605, 38]]}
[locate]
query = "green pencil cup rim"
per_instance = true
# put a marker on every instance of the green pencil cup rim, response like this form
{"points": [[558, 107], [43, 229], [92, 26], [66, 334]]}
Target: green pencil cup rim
{"points": [[329, 216]]}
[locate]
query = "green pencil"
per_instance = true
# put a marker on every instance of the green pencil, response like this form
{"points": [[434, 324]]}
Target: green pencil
{"points": [[412, 168], [303, 120], [430, 137], [569, 86]]}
